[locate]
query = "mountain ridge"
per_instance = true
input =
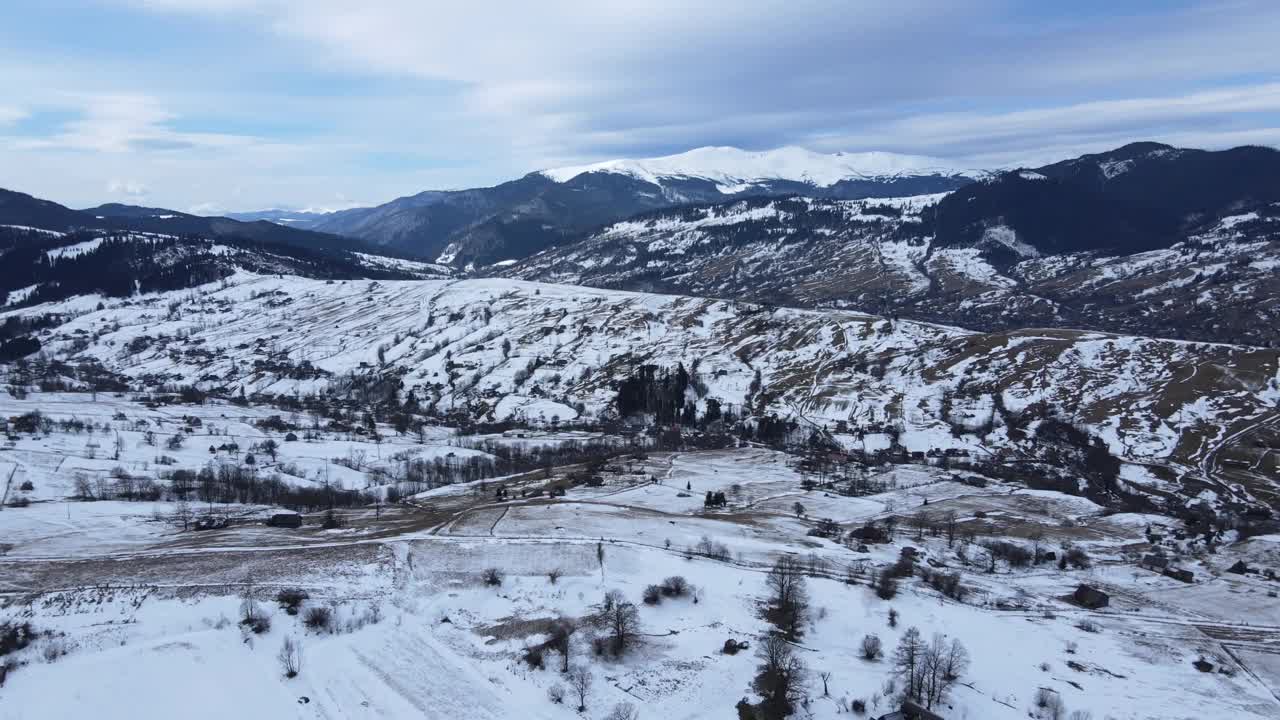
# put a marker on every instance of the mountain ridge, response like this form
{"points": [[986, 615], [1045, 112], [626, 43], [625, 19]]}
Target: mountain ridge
{"points": [[514, 219]]}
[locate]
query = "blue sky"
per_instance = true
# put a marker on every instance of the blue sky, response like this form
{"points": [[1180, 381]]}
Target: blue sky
{"points": [[216, 105]]}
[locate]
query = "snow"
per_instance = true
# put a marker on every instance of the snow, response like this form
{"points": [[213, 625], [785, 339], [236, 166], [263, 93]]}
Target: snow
{"points": [[28, 228], [144, 610], [1115, 168], [734, 170], [75, 250], [412, 266], [1008, 237], [20, 295]]}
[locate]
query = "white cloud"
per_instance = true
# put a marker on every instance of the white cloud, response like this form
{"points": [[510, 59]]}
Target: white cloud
{"points": [[11, 115], [123, 123], [1209, 118], [448, 95], [129, 188]]}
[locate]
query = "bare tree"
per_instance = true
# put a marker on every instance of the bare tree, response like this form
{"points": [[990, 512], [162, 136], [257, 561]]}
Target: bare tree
{"points": [[182, 513], [908, 661], [826, 678], [559, 640], [622, 622], [788, 603], [1036, 538], [623, 711], [780, 677], [949, 525], [290, 656], [611, 598], [580, 680]]}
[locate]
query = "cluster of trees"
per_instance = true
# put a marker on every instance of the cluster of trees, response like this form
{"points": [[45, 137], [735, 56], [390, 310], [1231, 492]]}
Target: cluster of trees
{"points": [[661, 393], [234, 483], [929, 669]]}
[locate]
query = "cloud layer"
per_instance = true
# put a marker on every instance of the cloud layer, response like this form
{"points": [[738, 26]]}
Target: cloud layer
{"points": [[305, 101]]}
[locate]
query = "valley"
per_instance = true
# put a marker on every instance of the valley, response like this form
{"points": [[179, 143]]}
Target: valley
{"points": [[743, 452]]}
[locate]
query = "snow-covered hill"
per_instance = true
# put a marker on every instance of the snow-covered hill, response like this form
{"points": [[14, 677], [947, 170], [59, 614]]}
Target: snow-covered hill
{"points": [[40, 266], [1218, 283], [503, 349]]}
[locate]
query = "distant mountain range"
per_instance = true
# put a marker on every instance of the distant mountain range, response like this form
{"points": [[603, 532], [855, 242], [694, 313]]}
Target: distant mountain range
{"points": [[1146, 239], [296, 218], [510, 221], [22, 210]]}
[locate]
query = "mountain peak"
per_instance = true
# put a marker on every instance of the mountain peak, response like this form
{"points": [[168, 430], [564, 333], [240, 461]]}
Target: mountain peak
{"points": [[733, 166]]}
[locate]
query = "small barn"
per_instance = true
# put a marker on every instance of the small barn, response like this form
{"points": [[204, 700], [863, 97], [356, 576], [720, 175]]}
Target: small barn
{"points": [[1154, 562], [1185, 576], [1090, 597], [285, 520]]}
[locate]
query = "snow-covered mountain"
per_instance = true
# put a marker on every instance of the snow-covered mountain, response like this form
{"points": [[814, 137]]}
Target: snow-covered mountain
{"points": [[1146, 249], [296, 218], [515, 219], [1217, 283], [733, 169]]}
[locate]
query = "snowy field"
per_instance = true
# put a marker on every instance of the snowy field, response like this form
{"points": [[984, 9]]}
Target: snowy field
{"points": [[136, 616]]}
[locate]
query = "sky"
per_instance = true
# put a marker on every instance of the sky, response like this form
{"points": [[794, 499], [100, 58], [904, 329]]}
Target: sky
{"points": [[232, 105]]}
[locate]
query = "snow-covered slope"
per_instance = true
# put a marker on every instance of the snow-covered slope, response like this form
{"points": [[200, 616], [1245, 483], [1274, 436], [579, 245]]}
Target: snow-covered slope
{"points": [[502, 348], [880, 255], [731, 168]]}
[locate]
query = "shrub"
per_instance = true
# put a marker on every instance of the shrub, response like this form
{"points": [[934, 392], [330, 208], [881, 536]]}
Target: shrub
{"points": [[859, 706], [291, 599], [491, 577], [553, 576], [26, 486], [675, 586], [652, 595], [534, 655], [290, 657], [623, 711], [15, 636], [712, 549], [1077, 558], [318, 618], [556, 693], [1089, 626], [53, 650], [258, 623], [948, 584], [871, 647]]}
